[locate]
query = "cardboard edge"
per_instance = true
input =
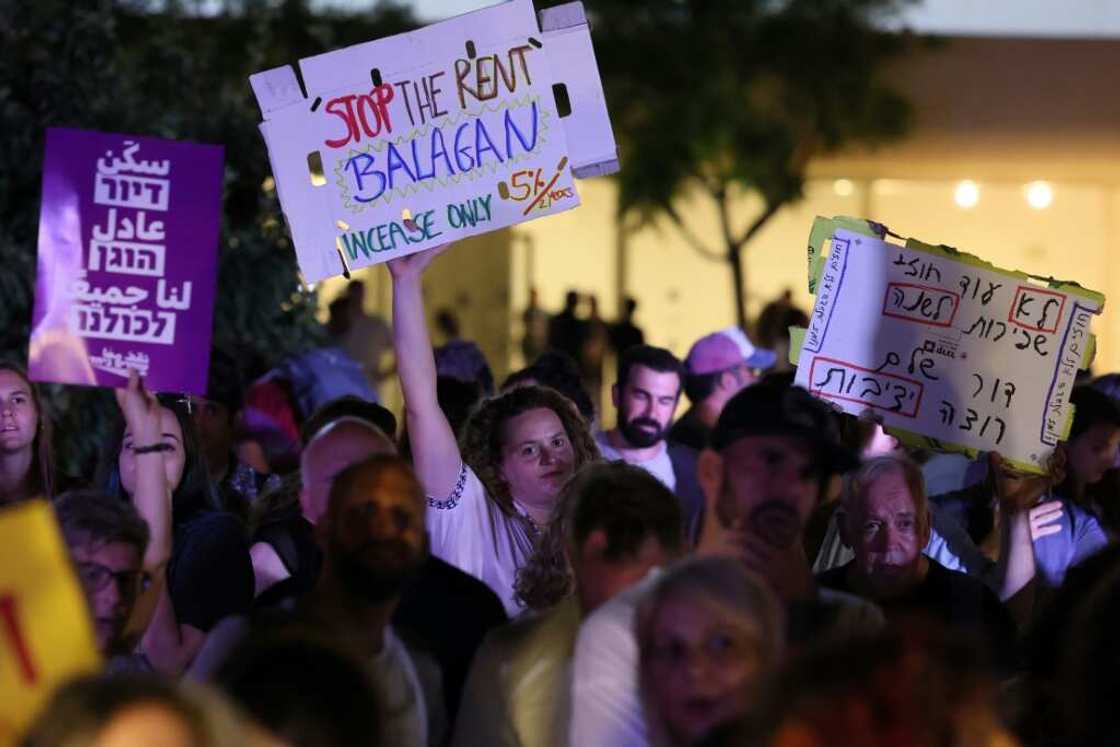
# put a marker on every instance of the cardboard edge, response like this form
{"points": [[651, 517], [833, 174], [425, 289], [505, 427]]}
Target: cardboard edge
{"points": [[824, 229], [602, 168], [1090, 353], [796, 342], [562, 17], [918, 441], [1063, 286]]}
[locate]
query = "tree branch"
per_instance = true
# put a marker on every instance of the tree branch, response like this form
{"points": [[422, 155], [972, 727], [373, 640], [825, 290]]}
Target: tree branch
{"points": [[759, 222], [719, 194], [692, 239]]}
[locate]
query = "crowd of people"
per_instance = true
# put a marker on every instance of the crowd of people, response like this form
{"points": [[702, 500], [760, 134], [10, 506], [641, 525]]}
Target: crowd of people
{"points": [[289, 564]]}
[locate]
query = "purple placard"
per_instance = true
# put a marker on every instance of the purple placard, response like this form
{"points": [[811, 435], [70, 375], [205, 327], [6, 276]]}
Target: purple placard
{"points": [[128, 240]]}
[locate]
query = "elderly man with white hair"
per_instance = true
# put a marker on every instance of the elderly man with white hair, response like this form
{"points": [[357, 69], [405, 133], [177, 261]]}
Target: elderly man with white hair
{"points": [[884, 518]]}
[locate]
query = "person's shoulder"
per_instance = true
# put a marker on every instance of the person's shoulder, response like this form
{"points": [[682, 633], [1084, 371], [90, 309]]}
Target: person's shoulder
{"points": [[685, 461], [836, 579], [1081, 518], [954, 584], [687, 433], [608, 452], [526, 628], [210, 523], [439, 579], [678, 450], [618, 612], [211, 530], [849, 610]]}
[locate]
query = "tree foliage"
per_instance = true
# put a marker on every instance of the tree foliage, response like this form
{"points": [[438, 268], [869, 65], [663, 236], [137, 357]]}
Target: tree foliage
{"points": [[719, 97], [161, 70]]}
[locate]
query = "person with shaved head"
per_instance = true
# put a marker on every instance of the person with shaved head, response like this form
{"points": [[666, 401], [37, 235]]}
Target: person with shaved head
{"points": [[291, 554], [284, 547]]}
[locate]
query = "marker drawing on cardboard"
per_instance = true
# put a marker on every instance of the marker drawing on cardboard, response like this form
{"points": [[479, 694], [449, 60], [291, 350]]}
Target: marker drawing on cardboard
{"points": [[952, 352], [452, 130]]}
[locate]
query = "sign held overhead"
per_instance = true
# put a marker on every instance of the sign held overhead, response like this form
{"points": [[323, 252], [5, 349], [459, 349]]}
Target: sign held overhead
{"points": [[950, 351], [456, 129]]}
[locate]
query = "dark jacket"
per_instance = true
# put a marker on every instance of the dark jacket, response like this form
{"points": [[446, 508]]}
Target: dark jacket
{"points": [[683, 459]]}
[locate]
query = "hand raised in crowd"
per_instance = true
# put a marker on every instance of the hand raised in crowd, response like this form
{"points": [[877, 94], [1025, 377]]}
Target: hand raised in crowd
{"points": [[1017, 491], [1045, 519], [413, 265], [140, 409]]}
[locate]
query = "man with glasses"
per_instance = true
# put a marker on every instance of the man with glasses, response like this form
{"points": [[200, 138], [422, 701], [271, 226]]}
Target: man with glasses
{"points": [[107, 540], [718, 367]]}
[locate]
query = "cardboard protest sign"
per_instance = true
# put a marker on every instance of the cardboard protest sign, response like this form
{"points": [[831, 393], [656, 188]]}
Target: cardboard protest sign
{"points": [[952, 352], [128, 241], [45, 632], [455, 129]]}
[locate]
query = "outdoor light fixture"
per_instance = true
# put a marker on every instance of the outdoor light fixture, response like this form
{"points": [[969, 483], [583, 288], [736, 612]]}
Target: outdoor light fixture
{"points": [[967, 194], [1039, 195]]}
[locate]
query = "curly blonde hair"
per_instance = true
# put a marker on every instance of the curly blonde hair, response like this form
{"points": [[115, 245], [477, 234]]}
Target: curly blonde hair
{"points": [[481, 440]]}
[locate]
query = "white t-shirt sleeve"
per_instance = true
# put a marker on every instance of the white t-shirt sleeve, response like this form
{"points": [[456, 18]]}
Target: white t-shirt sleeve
{"points": [[606, 703], [458, 524]]}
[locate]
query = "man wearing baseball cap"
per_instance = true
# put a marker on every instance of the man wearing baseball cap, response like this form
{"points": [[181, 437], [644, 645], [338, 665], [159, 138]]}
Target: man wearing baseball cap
{"points": [[718, 366], [772, 452]]}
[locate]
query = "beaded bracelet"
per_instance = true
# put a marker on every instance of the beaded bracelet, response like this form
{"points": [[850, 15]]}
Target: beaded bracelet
{"points": [[151, 448]]}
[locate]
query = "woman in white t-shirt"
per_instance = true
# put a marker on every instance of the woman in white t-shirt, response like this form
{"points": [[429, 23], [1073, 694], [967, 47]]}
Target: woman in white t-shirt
{"points": [[489, 498]]}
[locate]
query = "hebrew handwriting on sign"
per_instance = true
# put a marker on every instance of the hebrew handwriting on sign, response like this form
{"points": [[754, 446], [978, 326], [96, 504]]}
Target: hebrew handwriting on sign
{"points": [[835, 379], [920, 268], [968, 420], [948, 349], [986, 328], [924, 304], [971, 289], [1036, 309]]}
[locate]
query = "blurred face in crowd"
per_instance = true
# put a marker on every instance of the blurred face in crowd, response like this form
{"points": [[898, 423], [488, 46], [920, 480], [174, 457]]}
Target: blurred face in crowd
{"points": [[173, 459], [704, 664], [736, 379], [887, 534], [537, 456], [768, 484], [19, 420], [329, 453], [1093, 452], [646, 402], [110, 574], [149, 723], [376, 540], [598, 578], [214, 422]]}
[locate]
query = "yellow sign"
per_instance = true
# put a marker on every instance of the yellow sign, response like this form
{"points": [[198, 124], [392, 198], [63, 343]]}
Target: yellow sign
{"points": [[45, 632]]}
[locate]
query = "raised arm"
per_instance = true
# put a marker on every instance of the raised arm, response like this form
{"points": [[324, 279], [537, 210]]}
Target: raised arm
{"points": [[435, 452], [151, 494], [1018, 497]]}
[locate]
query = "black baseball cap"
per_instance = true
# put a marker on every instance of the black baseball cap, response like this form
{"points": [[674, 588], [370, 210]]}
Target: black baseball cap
{"points": [[775, 409]]}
